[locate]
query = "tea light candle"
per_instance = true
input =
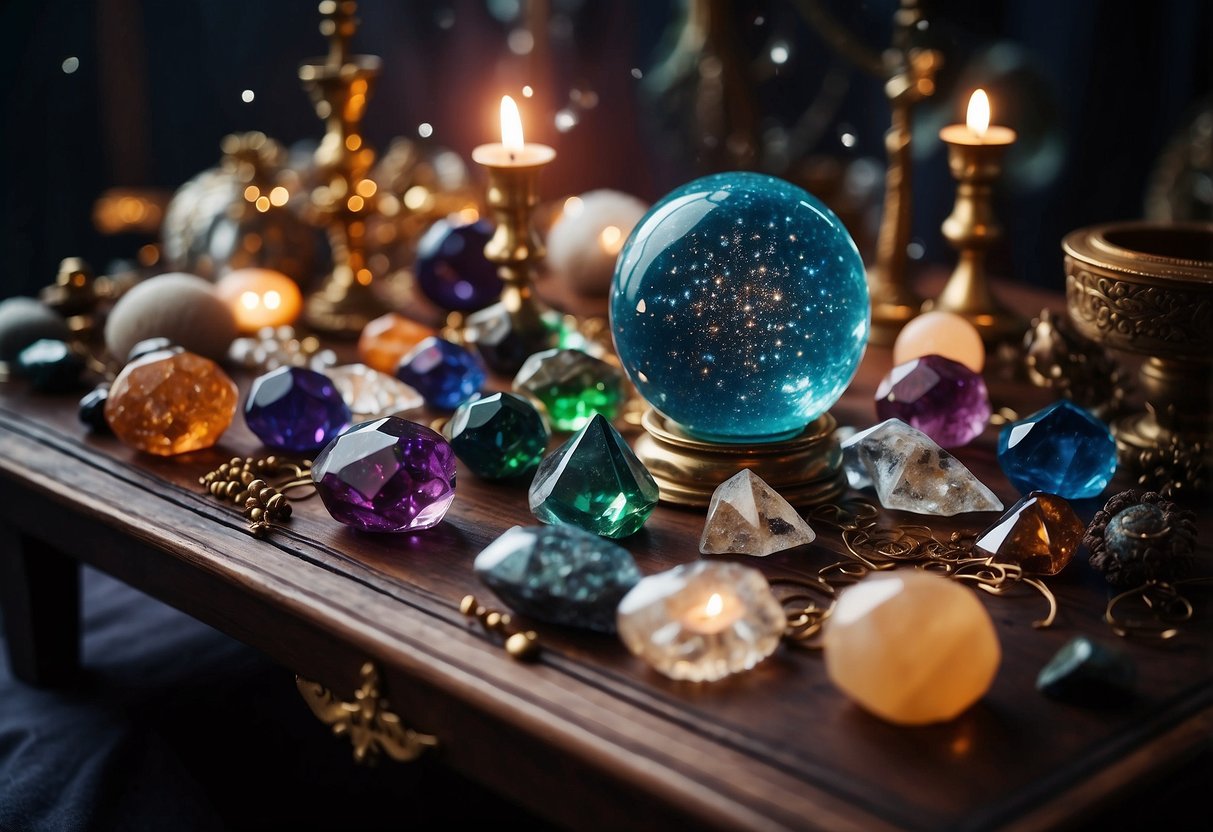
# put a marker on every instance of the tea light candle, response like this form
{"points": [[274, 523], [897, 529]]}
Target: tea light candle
{"points": [[513, 151], [714, 616], [977, 129], [260, 298]]}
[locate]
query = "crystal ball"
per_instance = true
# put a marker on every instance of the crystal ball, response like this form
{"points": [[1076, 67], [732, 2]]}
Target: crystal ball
{"points": [[740, 308]]}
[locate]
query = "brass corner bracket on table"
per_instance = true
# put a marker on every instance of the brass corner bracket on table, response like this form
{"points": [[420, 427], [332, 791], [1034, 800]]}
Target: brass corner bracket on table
{"points": [[372, 728]]}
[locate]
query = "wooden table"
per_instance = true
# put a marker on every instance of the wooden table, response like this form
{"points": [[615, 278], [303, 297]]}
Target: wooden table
{"points": [[588, 735]]}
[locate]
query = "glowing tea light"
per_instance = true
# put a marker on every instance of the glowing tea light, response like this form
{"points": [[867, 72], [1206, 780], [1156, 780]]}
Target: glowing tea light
{"points": [[513, 151], [714, 616], [978, 129], [260, 298]]}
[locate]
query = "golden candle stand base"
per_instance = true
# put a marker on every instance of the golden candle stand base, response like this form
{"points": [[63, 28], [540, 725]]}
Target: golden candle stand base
{"points": [[893, 306], [342, 307], [806, 470]]}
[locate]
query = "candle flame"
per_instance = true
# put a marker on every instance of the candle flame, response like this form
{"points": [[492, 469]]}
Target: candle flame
{"points": [[978, 117], [714, 606], [511, 125]]}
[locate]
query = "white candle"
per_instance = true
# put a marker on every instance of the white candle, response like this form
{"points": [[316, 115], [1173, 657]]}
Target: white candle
{"points": [[977, 129], [512, 151]]}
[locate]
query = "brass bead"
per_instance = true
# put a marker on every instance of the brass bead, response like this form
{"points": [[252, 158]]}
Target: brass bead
{"points": [[468, 605], [522, 646], [265, 494], [492, 621], [251, 502], [255, 514], [255, 486], [236, 462], [276, 502], [246, 478]]}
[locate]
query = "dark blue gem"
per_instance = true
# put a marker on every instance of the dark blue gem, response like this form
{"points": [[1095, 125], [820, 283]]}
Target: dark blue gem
{"points": [[1062, 449], [1086, 672], [445, 374], [295, 409], [92, 409], [452, 270], [50, 366]]}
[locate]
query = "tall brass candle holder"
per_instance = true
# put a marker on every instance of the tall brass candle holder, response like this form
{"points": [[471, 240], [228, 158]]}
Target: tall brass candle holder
{"points": [[340, 86], [508, 332], [975, 153]]}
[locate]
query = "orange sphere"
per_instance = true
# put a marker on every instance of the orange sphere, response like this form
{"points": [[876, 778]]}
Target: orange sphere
{"points": [[940, 333]]}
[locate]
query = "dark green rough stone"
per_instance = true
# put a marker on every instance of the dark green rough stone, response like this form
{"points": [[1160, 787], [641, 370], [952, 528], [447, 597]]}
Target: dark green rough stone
{"points": [[498, 437], [1087, 673], [559, 574], [50, 366]]}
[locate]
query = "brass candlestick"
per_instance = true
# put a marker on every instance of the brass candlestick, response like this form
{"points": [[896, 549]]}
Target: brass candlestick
{"points": [[975, 159], [340, 86]]}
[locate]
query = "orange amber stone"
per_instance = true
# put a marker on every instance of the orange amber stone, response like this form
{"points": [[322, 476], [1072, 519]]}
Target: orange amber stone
{"points": [[387, 339], [1040, 533], [168, 403]]}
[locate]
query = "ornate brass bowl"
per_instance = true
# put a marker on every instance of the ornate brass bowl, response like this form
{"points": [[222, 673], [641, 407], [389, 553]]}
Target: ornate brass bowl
{"points": [[1147, 288]]}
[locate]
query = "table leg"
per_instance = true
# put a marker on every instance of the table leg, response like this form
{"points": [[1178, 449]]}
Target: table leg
{"points": [[40, 600]]}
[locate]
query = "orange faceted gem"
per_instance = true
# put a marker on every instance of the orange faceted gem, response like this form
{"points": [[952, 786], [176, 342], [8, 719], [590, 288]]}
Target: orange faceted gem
{"points": [[387, 339], [1040, 533], [168, 403]]}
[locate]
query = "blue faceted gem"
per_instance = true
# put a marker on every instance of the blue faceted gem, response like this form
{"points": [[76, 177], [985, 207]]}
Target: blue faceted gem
{"points": [[559, 574], [1062, 449], [295, 409], [452, 270], [445, 374], [740, 308]]}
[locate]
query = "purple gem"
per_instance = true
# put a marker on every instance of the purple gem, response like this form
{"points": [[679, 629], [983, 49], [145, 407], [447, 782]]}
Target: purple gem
{"points": [[294, 409], [452, 269], [445, 374], [387, 475], [942, 398]]}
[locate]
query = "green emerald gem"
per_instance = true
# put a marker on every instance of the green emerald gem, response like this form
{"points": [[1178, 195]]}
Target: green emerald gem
{"points": [[498, 437], [595, 482], [572, 386]]}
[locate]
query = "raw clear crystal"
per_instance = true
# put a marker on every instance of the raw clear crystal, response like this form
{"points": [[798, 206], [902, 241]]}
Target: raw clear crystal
{"points": [[911, 473], [371, 394], [702, 621], [747, 517], [559, 574], [1040, 533]]}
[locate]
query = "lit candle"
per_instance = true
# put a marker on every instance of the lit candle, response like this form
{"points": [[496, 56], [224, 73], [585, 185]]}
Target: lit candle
{"points": [[513, 151], [715, 615], [977, 129], [260, 298]]}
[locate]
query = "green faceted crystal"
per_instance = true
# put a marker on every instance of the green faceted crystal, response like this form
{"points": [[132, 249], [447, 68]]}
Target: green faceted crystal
{"points": [[572, 386], [498, 437], [595, 482]]}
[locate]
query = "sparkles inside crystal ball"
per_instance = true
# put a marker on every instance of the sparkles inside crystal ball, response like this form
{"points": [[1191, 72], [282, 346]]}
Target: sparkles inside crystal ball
{"points": [[740, 308]]}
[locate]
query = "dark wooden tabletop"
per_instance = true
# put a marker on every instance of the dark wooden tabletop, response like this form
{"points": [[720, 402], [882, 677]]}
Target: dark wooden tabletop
{"points": [[588, 735]]}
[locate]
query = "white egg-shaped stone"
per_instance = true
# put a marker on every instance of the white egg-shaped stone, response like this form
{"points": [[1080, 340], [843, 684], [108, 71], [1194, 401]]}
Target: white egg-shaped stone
{"points": [[585, 242], [940, 333], [24, 321], [911, 647], [181, 307]]}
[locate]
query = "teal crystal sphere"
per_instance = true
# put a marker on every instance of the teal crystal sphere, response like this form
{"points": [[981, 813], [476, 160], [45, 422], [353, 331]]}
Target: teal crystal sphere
{"points": [[740, 308]]}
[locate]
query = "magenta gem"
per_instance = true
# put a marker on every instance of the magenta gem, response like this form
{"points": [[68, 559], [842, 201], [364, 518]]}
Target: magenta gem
{"points": [[942, 398], [387, 475]]}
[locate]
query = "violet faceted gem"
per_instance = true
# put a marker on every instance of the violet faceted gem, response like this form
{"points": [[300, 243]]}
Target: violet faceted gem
{"points": [[387, 475], [295, 409], [940, 397]]}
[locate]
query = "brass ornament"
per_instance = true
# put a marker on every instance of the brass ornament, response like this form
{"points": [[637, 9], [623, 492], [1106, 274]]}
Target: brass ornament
{"points": [[1156, 555], [522, 645], [246, 484], [1164, 608], [1056, 357], [368, 721]]}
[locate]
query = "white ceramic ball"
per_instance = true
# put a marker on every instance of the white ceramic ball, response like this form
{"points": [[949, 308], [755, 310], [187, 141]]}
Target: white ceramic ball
{"points": [[940, 333], [181, 307], [24, 321], [585, 242]]}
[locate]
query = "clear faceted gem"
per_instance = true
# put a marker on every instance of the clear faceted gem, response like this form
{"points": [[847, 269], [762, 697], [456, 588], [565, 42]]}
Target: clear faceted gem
{"points": [[940, 397], [748, 517], [1086, 672], [295, 409], [170, 403], [1062, 449], [911, 647], [594, 481], [386, 475], [572, 386], [498, 437], [445, 374], [911, 473], [370, 394], [1040, 533], [494, 335], [387, 339], [702, 621], [559, 574]]}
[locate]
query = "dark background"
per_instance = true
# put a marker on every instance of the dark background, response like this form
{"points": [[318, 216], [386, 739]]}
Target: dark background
{"points": [[1095, 89]]}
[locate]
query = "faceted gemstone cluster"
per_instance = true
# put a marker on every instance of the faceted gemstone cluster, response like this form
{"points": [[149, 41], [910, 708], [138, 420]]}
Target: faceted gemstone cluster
{"points": [[445, 374], [387, 475], [702, 621], [940, 397], [387, 339], [50, 366], [1061, 449], [295, 409], [370, 394], [559, 574], [911, 647], [594, 481], [452, 270], [1040, 533], [747, 517], [572, 386], [498, 437], [170, 403], [909, 472], [1086, 672]]}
